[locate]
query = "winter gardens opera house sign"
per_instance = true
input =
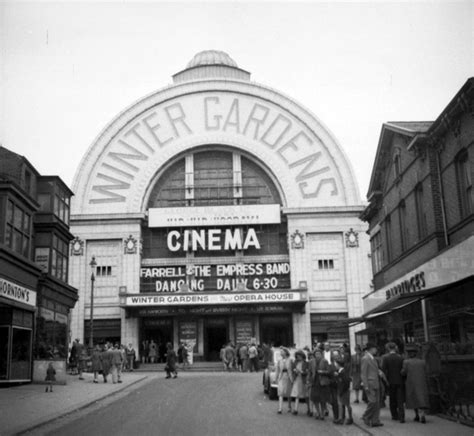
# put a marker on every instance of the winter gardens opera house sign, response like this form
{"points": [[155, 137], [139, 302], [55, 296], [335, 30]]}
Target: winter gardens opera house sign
{"points": [[216, 191]]}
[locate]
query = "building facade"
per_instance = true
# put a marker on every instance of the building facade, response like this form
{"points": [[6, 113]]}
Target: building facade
{"points": [[35, 298], [421, 226], [217, 209]]}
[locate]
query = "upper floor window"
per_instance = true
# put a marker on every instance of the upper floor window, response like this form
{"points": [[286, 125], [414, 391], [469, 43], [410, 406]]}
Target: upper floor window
{"points": [[103, 271], [397, 164], [402, 214], [464, 183], [325, 264], [54, 199], [420, 211], [376, 248], [388, 238], [59, 259], [18, 229]]}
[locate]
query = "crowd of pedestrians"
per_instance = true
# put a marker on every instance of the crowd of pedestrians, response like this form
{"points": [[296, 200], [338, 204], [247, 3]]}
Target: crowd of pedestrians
{"points": [[248, 357], [323, 378]]}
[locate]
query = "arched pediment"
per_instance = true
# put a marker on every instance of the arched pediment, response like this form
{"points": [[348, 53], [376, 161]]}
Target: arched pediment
{"points": [[297, 149]]}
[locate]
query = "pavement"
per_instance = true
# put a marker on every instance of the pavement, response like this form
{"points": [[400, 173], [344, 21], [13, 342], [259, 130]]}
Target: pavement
{"points": [[28, 407], [25, 407]]}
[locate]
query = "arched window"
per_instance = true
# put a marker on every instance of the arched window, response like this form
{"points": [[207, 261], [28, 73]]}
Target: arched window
{"points": [[464, 183]]}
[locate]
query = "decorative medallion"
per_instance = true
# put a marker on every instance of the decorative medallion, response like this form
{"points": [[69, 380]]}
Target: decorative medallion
{"points": [[130, 245], [352, 238], [297, 240], [77, 247]]}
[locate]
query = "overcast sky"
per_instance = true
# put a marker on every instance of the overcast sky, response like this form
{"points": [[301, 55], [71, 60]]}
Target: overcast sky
{"points": [[68, 68]]}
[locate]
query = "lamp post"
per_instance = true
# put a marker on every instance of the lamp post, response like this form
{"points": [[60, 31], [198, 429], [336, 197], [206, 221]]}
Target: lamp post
{"points": [[92, 264]]}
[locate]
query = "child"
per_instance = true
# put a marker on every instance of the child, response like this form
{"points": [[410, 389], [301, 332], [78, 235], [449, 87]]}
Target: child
{"points": [[50, 377], [343, 393]]}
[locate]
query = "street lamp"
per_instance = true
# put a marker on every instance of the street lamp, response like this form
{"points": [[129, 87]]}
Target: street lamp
{"points": [[92, 264]]}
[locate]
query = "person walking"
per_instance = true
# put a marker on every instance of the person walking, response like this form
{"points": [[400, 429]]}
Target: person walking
{"points": [[392, 364], [152, 352], [96, 365], [416, 386], [81, 357], [355, 372], [343, 382], [131, 356], [300, 371], [229, 356], [244, 357], [106, 361], [116, 364], [170, 367], [370, 380], [50, 377], [253, 358], [284, 378]]}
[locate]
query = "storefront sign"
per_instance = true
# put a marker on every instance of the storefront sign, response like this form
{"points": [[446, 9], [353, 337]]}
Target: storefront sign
{"points": [[413, 284], [213, 310], [203, 299], [201, 216], [18, 293], [226, 277]]}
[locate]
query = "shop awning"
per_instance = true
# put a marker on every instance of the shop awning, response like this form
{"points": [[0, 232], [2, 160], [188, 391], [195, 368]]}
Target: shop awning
{"points": [[403, 300]]}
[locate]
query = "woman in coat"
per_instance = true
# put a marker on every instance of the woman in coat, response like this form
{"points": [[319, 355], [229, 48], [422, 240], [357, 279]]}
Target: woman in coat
{"points": [[170, 361], [416, 387], [96, 364], [284, 378], [106, 361], [300, 371], [318, 375]]}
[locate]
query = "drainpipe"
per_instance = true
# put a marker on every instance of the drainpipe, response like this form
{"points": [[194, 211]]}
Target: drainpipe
{"points": [[441, 192]]}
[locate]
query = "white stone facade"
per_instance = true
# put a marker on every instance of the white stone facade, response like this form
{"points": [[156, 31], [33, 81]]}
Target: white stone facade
{"points": [[315, 181]]}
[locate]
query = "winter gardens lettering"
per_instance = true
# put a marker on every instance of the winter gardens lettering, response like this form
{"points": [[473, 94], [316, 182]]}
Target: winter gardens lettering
{"points": [[198, 115]]}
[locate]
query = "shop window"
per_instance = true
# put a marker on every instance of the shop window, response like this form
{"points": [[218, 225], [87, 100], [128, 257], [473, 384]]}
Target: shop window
{"points": [[51, 331], [464, 183], [18, 229], [420, 211], [376, 245], [325, 264], [409, 332]]}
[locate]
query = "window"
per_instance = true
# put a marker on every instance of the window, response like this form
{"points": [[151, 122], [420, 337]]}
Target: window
{"points": [[103, 271], [402, 215], [325, 264], [18, 229], [61, 205], [397, 164], [59, 259], [376, 246], [420, 211], [388, 238], [464, 183]]}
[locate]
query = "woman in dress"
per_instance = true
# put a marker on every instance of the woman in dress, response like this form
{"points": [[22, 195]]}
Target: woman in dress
{"points": [[355, 372], [300, 370], [416, 387], [96, 364], [324, 381], [284, 378], [152, 352], [319, 393]]}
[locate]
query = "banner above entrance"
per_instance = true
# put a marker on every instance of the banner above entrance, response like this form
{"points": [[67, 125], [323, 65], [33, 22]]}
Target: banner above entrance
{"points": [[215, 216], [204, 299]]}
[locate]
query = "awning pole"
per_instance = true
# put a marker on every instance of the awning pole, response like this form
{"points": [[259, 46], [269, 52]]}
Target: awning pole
{"points": [[425, 320]]}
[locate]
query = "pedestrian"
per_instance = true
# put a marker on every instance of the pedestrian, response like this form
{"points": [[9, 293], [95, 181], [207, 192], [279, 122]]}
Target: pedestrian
{"points": [[267, 355], [253, 358], [244, 357], [131, 355], [81, 356], [319, 383], [96, 365], [416, 387], [152, 352], [73, 359], [332, 372], [370, 374], [327, 351], [222, 357], [50, 377], [343, 381], [229, 356], [116, 364], [300, 371], [392, 364], [355, 372], [284, 378], [185, 356], [180, 353], [170, 367], [106, 361]]}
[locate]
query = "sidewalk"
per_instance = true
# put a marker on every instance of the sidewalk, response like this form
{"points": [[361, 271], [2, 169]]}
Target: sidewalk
{"points": [[434, 426], [27, 406]]}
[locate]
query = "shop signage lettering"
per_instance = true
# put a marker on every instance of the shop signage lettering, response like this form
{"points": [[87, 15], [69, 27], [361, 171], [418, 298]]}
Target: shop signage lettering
{"points": [[212, 239], [216, 216], [413, 284], [199, 299], [252, 276], [15, 292], [243, 331], [202, 115], [213, 310]]}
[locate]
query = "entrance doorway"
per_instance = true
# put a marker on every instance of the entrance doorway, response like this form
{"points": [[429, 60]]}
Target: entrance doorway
{"points": [[276, 330], [160, 331], [215, 336]]}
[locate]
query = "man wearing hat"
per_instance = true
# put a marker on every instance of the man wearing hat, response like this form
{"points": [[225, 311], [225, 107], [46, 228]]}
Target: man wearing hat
{"points": [[370, 379]]}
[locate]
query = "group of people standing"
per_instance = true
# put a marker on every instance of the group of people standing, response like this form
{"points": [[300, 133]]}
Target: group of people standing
{"points": [[245, 357], [323, 377], [104, 359]]}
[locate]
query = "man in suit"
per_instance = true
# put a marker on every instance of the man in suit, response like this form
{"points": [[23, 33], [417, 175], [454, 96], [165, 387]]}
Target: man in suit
{"points": [[392, 364], [370, 379]]}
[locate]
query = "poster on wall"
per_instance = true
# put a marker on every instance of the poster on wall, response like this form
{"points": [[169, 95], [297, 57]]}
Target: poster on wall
{"points": [[243, 331], [188, 333]]}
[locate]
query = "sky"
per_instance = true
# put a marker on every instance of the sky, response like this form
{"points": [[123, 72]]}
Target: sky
{"points": [[68, 68]]}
